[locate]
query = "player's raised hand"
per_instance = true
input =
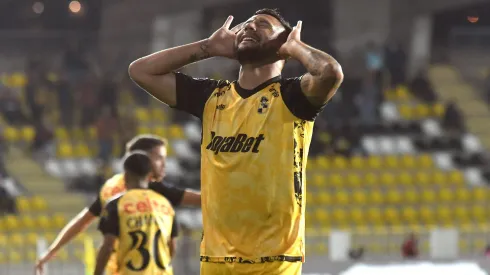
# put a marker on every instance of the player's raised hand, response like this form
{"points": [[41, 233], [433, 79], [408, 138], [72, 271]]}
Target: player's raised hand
{"points": [[222, 41], [294, 36]]}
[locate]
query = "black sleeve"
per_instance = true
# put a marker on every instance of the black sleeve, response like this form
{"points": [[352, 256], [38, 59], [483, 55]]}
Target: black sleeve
{"points": [[175, 228], [296, 101], [169, 191], [109, 221], [96, 207], [192, 93]]}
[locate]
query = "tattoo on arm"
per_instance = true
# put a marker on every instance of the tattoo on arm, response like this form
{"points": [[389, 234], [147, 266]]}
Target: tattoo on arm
{"points": [[202, 54]]}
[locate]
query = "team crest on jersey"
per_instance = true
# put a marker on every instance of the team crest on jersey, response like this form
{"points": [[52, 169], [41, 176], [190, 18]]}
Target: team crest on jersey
{"points": [[264, 105]]}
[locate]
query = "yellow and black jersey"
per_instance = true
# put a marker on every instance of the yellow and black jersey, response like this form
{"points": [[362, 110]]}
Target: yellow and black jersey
{"points": [[254, 149], [115, 186], [144, 223]]}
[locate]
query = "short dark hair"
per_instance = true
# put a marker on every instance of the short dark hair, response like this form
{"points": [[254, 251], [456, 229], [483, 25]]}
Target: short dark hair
{"points": [[138, 163], [145, 143], [275, 13]]}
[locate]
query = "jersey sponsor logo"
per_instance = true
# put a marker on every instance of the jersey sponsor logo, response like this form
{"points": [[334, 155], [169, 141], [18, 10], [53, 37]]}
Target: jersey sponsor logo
{"points": [[241, 143], [146, 206], [109, 192]]}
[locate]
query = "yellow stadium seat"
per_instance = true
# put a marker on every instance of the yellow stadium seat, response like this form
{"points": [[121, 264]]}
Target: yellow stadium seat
{"points": [[142, 130], [11, 134], [462, 214], [142, 115], [357, 162], [440, 178], [91, 133], [31, 239], [176, 132], [322, 216], [3, 240], [341, 198], [28, 133], [405, 178], [323, 162], [391, 216], [159, 131], [65, 150], [456, 177], [374, 216], [336, 180], [22, 204], [408, 161], [359, 198], [422, 111], [446, 195], [38, 203], [3, 258], [444, 215], [374, 162], [11, 222], [422, 178], [479, 194], [61, 133], [463, 194], [339, 216], [324, 198], [394, 196], [357, 216], [319, 180], [438, 110], [16, 240], [59, 220], [411, 196], [339, 162], [391, 162], [18, 80], [402, 93], [353, 180], [31, 255], [14, 256], [424, 161], [375, 197], [387, 179], [427, 215], [81, 150], [409, 215], [371, 179], [49, 237], [428, 196], [158, 114], [478, 212], [27, 222], [44, 222], [405, 111]]}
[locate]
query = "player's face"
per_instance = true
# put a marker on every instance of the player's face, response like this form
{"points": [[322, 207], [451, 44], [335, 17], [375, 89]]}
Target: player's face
{"points": [[259, 39], [158, 157]]}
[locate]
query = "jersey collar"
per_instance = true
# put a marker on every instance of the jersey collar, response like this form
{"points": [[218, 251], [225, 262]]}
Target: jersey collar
{"points": [[244, 93]]}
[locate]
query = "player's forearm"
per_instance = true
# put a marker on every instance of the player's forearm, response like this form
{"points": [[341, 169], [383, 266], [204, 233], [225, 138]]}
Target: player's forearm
{"points": [[70, 231], [102, 259], [323, 68], [166, 61], [191, 197]]}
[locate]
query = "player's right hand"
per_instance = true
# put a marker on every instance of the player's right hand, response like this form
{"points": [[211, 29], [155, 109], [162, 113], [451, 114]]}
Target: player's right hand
{"points": [[222, 41], [41, 262]]}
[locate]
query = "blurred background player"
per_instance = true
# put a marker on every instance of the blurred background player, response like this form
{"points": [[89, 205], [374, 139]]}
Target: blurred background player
{"points": [[256, 136], [143, 223], [156, 149]]}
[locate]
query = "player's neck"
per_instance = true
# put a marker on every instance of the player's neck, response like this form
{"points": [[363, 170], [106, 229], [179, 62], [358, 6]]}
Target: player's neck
{"points": [[251, 76]]}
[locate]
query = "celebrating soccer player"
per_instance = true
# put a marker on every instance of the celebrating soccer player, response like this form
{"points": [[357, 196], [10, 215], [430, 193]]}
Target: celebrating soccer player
{"points": [[256, 133], [155, 147], [141, 221]]}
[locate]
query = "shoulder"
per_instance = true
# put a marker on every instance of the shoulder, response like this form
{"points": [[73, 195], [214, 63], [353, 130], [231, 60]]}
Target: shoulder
{"points": [[296, 101], [112, 202]]}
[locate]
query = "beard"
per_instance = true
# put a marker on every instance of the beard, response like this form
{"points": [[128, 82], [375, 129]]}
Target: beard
{"points": [[259, 54]]}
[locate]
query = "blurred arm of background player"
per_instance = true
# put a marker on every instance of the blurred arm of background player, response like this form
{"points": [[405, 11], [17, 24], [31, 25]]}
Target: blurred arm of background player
{"points": [[191, 197], [104, 254], [154, 73], [78, 224]]}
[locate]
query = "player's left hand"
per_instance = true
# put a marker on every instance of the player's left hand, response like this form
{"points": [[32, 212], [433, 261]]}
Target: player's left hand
{"points": [[294, 36]]}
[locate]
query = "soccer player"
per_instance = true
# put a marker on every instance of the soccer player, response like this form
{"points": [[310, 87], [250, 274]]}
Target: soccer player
{"points": [[156, 149], [256, 133], [141, 221]]}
